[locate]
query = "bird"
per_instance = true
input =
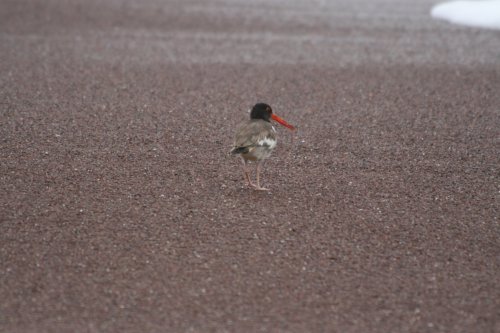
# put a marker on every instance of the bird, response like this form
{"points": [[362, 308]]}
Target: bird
{"points": [[256, 139]]}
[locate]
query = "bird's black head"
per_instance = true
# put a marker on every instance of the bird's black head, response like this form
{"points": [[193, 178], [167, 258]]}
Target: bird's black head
{"points": [[261, 111]]}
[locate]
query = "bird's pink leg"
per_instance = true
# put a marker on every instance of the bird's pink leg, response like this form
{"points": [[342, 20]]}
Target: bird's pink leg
{"points": [[259, 166], [246, 174]]}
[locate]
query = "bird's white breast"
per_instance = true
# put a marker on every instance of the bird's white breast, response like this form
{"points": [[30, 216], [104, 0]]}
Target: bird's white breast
{"points": [[271, 143]]}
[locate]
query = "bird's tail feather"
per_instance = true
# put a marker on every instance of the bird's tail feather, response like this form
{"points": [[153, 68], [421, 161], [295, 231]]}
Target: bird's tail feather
{"points": [[239, 150]]}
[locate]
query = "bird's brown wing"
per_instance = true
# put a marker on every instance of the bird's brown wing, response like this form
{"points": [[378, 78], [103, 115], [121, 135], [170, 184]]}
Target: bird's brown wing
{"points": [[249, 134]]}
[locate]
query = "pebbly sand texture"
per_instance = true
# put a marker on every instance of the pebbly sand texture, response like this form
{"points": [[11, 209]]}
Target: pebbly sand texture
{"points": [[122, 212]]}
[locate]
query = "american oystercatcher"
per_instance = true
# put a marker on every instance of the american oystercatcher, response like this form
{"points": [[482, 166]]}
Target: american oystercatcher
{"points": [[256, 139]]}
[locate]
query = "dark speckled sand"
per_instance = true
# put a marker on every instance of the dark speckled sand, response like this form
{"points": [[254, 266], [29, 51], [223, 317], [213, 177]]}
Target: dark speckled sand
{"points": [[121, 211]]}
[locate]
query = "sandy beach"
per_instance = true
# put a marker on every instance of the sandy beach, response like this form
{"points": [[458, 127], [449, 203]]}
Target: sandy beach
{"points": [[121, 210]]}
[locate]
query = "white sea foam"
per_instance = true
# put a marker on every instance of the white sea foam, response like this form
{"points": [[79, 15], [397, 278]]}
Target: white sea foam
{"points": [[484, 14]]}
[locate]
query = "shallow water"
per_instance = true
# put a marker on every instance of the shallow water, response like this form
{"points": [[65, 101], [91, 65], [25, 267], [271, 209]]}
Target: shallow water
{"points": [[483, 14]]}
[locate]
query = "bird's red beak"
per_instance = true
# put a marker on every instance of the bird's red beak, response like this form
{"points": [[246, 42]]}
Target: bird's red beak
{"points": [[282, 122]]}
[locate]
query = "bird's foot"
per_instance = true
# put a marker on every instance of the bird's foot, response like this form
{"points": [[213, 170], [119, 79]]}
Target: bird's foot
{"points": [[258, 188]]}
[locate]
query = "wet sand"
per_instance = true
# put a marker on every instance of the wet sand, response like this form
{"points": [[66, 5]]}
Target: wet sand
{"points": [[122, 212]]}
